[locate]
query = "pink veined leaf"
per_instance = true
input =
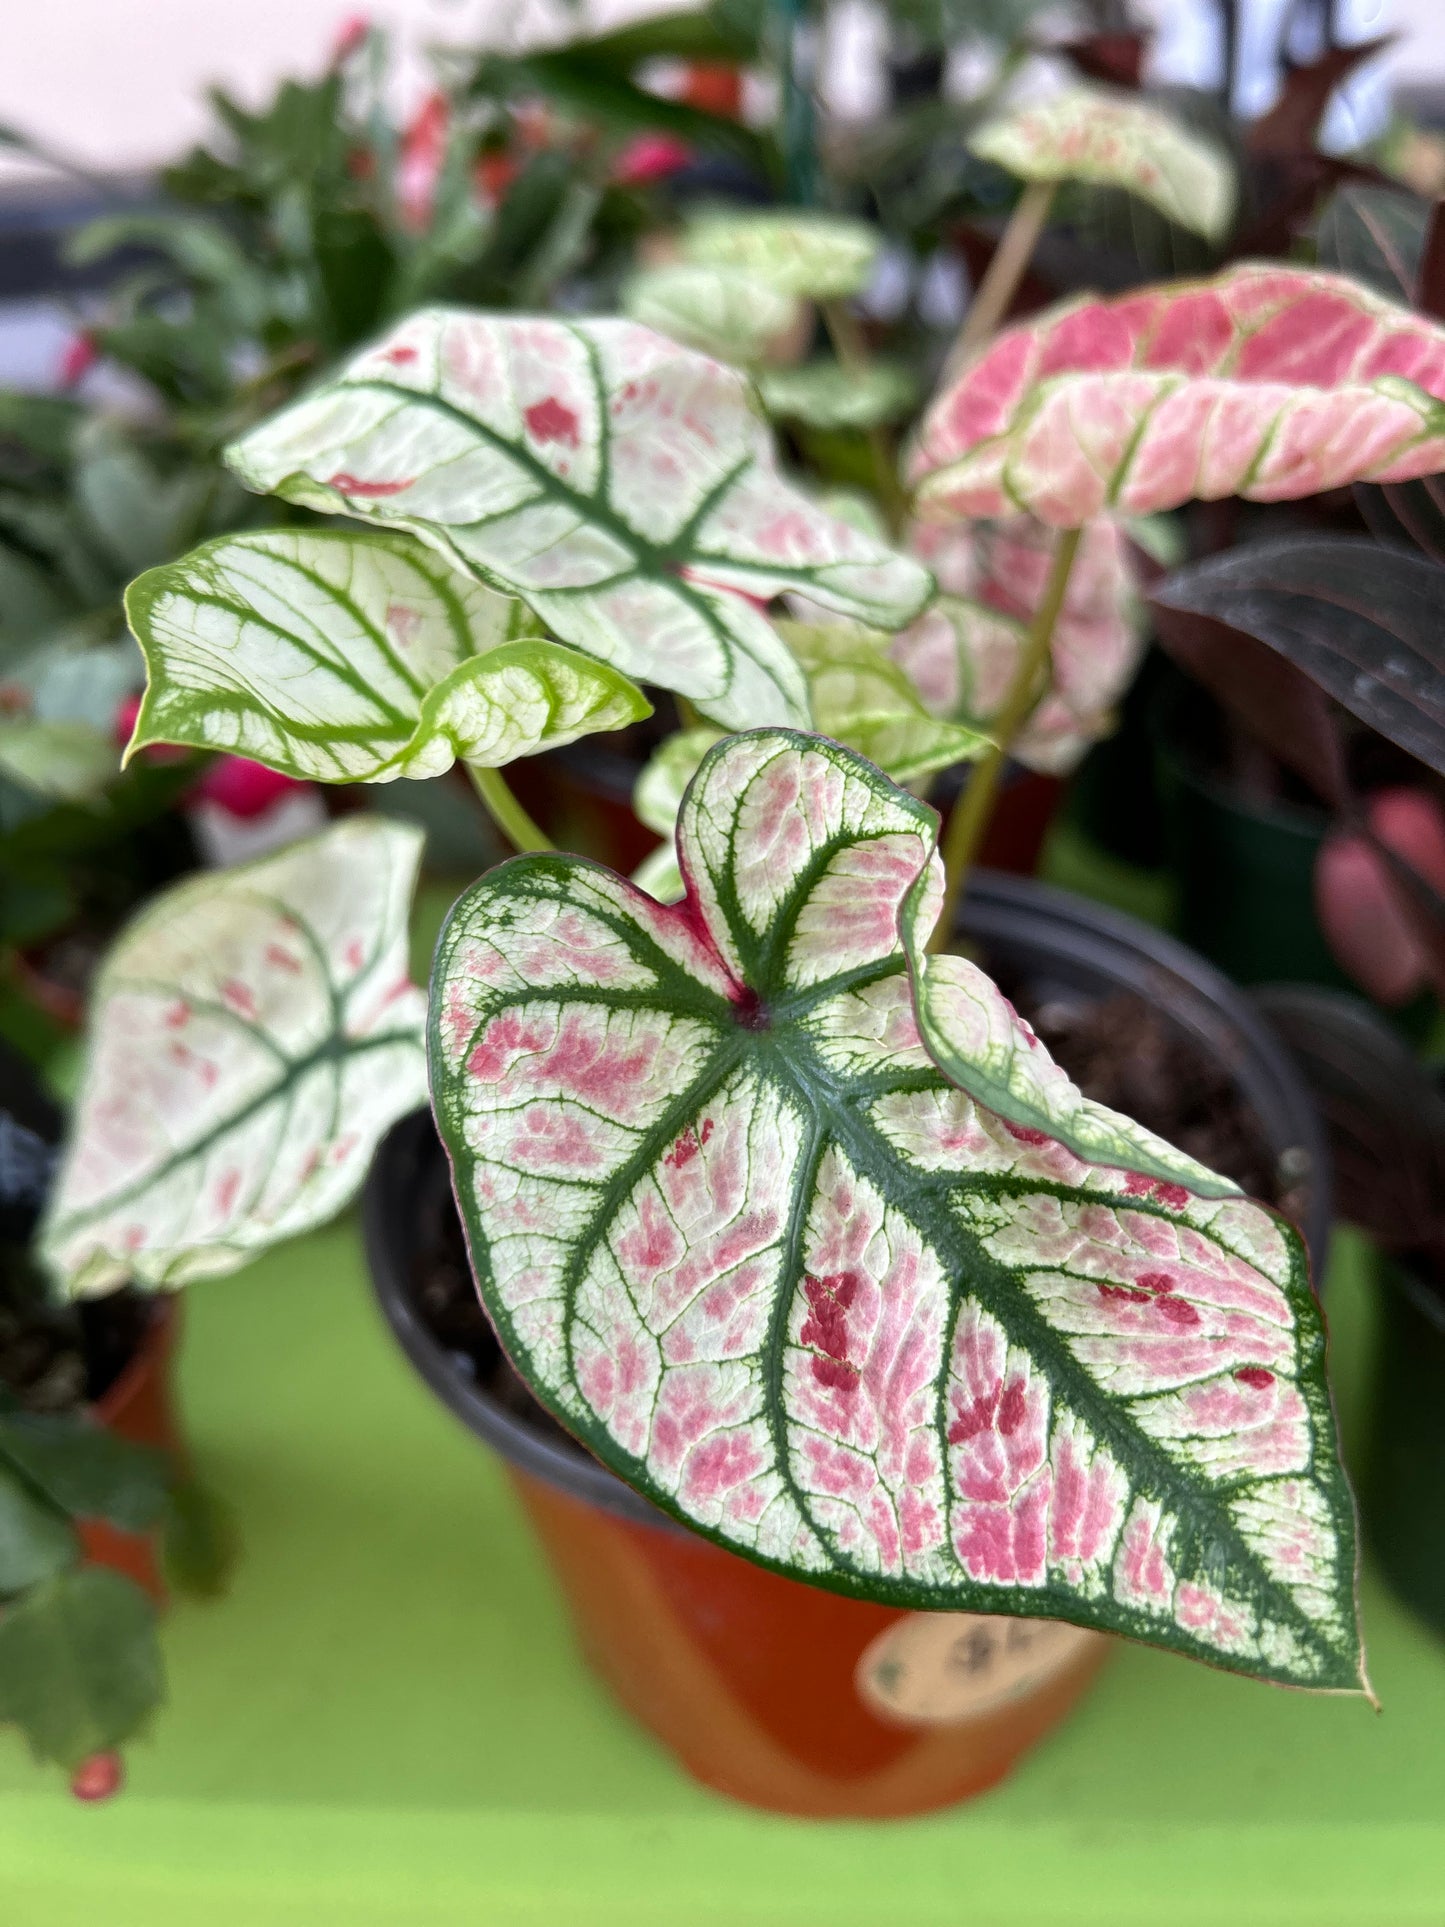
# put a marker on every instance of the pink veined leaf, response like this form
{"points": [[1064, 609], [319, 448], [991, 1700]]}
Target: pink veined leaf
{"points": [[963, 651], [621, 485], [1265, 382], [749, 1244]]}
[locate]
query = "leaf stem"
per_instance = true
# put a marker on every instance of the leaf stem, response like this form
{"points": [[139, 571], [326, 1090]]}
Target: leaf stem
{"points": [[506, 812], [999, 285], [852, 351], [969, 817]]}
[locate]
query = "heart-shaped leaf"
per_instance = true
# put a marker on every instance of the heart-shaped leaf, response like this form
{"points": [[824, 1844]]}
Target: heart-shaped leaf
{"points": [[719, 311], [963, 652], [253, 1034], [821, 257], [825, 394], [746, 1241], [621, 485], [1360, 619], [864, 699], [1270, 383], [355, 658], [1115, 140]]}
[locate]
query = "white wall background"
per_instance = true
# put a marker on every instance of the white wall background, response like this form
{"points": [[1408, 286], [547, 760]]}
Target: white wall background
{"points": [[119, 83]]}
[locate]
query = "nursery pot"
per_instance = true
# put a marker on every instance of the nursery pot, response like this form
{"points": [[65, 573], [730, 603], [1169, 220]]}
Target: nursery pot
{"points": [[1403, 1473], [139, 1405], [775, 1692]]}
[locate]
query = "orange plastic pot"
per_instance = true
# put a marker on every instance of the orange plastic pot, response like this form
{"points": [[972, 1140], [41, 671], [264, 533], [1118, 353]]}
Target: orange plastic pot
{"points": [[139, 1406], [777, 1693]]}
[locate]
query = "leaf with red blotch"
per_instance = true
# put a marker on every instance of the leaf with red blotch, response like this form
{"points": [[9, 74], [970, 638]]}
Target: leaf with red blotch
{"points": [[621, 485], [1113, 139], [962, 653], [253, 1034], [1266, 382], [745, 1240]]}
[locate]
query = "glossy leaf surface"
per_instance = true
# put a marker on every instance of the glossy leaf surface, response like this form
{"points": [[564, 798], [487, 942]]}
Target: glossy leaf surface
{"points": [[1270, 383], [822, 257], [354, 658], [1113, 140], [253, 1034], [719, 311], [1360, 619], [962, 653], [748, 1243], [621, 485]]}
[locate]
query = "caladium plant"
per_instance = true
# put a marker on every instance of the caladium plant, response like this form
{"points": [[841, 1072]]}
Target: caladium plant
{"points": [[1265, 382], [620, 485], [822, 257], [720, 311], [788, 1276]]}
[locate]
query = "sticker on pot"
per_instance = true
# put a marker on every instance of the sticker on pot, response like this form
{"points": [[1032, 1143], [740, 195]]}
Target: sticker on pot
{"points": [[933, 1668]]}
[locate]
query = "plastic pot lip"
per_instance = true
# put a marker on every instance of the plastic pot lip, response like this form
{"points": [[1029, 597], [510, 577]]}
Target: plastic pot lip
{"points": [[1082, 945]]}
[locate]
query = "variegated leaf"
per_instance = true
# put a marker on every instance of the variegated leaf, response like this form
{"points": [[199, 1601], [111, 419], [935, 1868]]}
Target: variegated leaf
{"points": [[962, 653], [719, 311], [355, 658], [746, 1242], [864, 699], [70, 761], [822, 257], [825, 394], [1111, 139], [253, 1034], [1266, 382], [621, 485], [658, 793]]}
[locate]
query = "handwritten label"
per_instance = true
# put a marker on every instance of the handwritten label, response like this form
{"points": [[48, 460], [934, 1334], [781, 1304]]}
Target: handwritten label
{"points": [[934, 1668]]}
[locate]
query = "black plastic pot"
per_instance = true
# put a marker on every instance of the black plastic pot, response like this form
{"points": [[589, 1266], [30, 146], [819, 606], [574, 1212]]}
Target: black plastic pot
{"points": [[1403, 1474]]}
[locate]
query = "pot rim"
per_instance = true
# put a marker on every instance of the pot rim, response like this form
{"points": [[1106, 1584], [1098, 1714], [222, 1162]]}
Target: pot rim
{"points": [[1026, 914]]}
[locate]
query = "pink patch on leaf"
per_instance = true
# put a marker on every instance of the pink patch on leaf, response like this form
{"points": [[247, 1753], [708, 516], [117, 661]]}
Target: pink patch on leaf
{"points": [[358, 485], [553, 421], [826, 1328], [1255, 1377]]}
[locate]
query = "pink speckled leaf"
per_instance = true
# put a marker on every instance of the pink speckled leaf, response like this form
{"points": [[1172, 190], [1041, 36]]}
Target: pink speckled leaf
{"points": [[623, 486], [1266, 382], [1113, 139], [962, 653], [253, 1034], [748, 1243]]}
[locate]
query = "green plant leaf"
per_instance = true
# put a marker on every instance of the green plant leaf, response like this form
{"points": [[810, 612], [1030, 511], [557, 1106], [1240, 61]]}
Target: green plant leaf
{"points": [[80, 1664], [355, 658], [820, 257], [745, 1240], [253, 1034], [36, 1541], [719, 311], [621, 485], [862, 698], [70, 761], [825, 394], [200, 1542], [659, 790], [85, 1470], [1112, 139]]}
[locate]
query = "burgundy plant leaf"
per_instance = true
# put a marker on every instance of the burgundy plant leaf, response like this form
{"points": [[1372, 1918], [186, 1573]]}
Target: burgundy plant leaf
{"points": [[1116, 58], [1270, 383], [1361, 620], [1292, 125], [1430, 286], [745, 1240]]}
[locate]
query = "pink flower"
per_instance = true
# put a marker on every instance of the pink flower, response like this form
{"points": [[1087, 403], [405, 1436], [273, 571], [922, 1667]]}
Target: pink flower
{"points": [[79, 356], [350, 36], [242, 788], [650, 157], [98, 1777]]}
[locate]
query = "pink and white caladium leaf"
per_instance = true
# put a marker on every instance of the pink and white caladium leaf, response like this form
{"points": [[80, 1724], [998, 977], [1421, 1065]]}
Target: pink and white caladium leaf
{"points": [[749, 1244], [253, 1034], [818, 257], [720, 311], [624, 487], [1265, 382], [962, 653], [355, 657], [1109, 139]]}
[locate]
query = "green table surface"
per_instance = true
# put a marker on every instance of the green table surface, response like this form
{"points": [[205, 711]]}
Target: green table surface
{"points": [[386, 1723]]}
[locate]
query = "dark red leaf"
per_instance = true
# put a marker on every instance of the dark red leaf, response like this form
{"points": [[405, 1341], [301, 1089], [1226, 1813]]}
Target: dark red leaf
{"points": [[1117, 58], [1430, 288], [1292, 125]]}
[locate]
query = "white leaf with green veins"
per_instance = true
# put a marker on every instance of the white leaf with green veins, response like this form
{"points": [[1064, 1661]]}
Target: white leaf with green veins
{"points": [[354, 657], [825, 394], [253, 1033], [862, 698], [69, 761], [822, 257], [719, 311], [623, 486]]}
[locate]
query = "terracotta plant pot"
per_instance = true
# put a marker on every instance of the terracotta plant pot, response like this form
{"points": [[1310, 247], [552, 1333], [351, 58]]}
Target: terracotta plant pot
{"points": [[775, 1692], [139, 1405]]}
